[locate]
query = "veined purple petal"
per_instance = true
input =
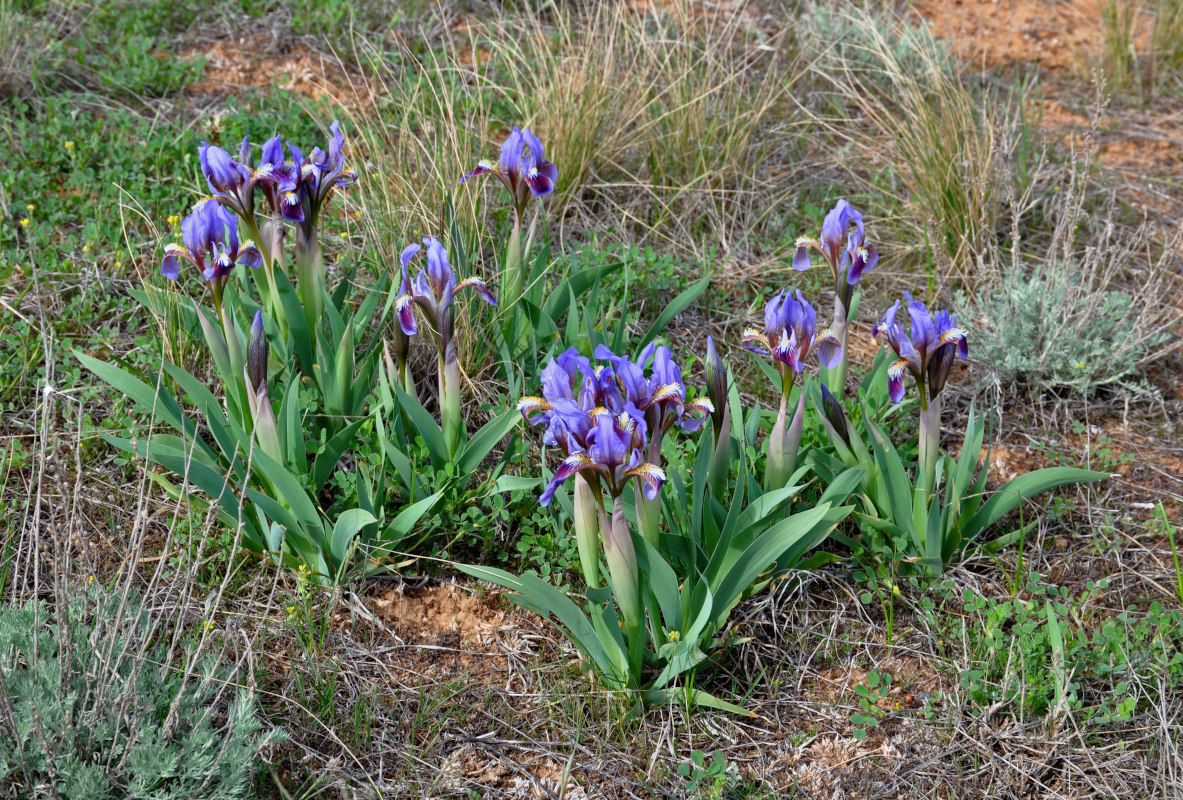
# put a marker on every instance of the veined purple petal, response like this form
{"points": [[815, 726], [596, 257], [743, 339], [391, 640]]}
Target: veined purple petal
{"points": [[291, 207], [483, 167], [786, 350], [541, 178], [801, 258], [895, 380], [479, 286], [572, 464], [609, 442], [249, 255], [829, 349], [406, 317], [862, 260], [651, 477]]}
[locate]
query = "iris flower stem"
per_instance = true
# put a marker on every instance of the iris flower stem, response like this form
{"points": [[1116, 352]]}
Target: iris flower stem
{"points": [[774, 469], [622, 568], [512, 281], [929, 438], [449, 391], [587, 508]]}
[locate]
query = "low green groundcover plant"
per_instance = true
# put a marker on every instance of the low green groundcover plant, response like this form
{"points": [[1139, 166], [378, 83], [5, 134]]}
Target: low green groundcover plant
{"points": [[88, 710]]}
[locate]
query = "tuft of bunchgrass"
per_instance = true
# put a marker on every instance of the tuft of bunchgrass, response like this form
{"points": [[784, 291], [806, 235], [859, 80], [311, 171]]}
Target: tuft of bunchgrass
{"points": [[906, 109]]}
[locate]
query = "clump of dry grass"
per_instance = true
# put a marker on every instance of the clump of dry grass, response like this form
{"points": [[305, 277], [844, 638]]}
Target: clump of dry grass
{"points": [[658, 120], [908, 110]]}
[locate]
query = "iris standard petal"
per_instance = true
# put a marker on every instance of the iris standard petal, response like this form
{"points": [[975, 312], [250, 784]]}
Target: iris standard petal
{"points": [[222, 172], [272, 152], [556, 383], [335, 144], [408, 253], [439, 270], [510, 162], [532, 142], [835, 225]]}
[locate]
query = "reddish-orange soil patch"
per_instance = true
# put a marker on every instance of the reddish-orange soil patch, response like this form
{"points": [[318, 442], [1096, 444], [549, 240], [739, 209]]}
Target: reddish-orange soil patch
{"points": [[232, 65], [443, 612], [991, 33]]}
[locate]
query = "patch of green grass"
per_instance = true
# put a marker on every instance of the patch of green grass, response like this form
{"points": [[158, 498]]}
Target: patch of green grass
{"points": [[1023, 658]]}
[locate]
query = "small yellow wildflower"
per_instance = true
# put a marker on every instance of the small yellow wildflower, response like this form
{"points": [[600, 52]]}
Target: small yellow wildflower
{"points": [[895, 589], [68, 145], [344, 234], [31, 208], [86, 248], [25, 222], [291, 610], [90, 580], [1080, 365], [209, 626], [174, 220], [674, 635]]}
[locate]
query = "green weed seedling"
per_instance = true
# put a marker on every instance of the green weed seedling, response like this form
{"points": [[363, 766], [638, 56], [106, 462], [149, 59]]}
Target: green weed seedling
{"points": [[876, 688], [707, 779]]}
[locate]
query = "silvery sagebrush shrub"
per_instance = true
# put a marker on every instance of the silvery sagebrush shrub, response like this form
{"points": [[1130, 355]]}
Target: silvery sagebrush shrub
{"points": [[1090, 308], [90, 710]]}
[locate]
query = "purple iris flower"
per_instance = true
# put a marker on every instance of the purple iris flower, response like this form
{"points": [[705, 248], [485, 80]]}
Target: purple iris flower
{"points": [[613, 457], [568, 417], [321, 172], [843, 244], [927, 351], [790, 335], [233, 181], [433, 288], [279, 179], [210, 243], [657, 402], [522, 167]]}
